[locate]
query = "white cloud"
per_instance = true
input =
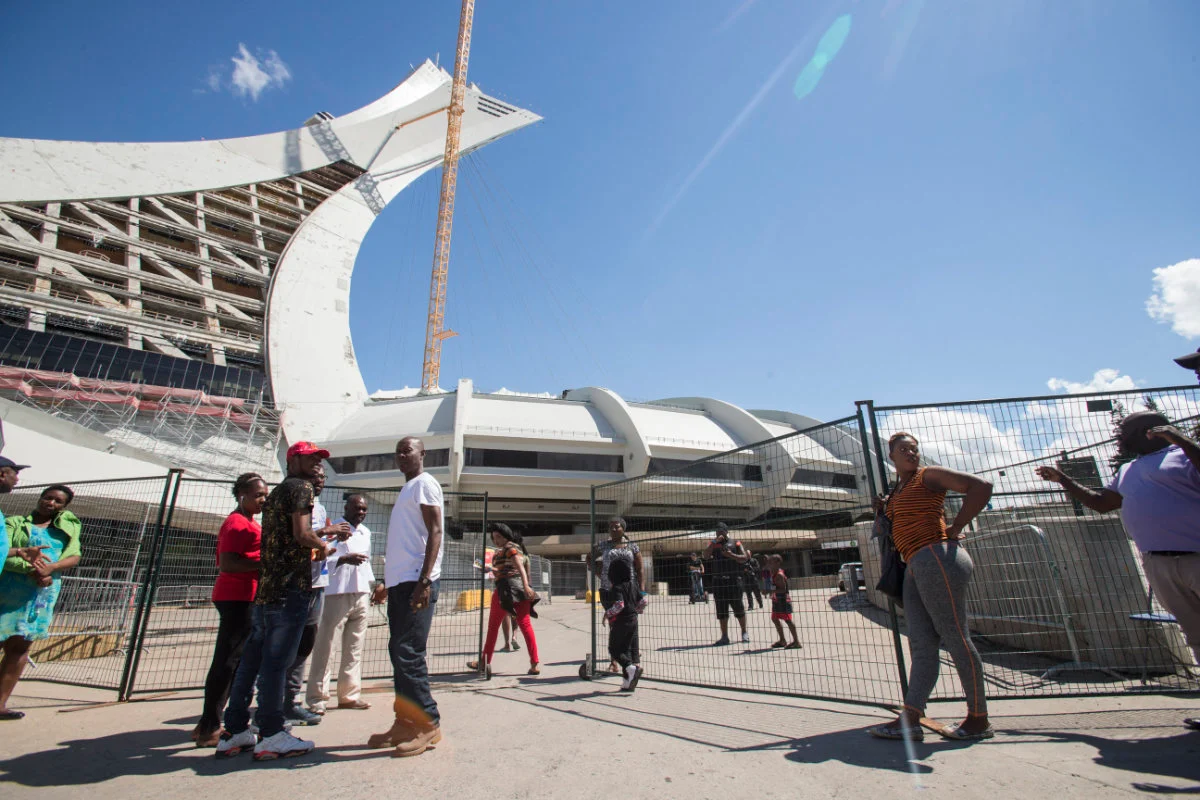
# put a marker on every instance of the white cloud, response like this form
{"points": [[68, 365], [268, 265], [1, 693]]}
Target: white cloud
{"points": [[1104, 380], [213, 81], [252, 76], [1176, 298]]}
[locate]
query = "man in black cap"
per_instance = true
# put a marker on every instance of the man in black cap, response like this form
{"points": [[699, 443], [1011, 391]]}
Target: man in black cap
{"points": [[8, 474], [1190, 361]]}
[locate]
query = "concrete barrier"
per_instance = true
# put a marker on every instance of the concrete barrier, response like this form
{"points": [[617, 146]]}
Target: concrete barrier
{"points": [[470, 600], [73, 646]]}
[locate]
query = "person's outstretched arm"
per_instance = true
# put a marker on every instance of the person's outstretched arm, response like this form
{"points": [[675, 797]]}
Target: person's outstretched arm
{"points": [[1103, 500]]}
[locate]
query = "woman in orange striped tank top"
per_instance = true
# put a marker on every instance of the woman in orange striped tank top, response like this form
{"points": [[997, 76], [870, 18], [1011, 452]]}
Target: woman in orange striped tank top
{"points": [[935, 585]]}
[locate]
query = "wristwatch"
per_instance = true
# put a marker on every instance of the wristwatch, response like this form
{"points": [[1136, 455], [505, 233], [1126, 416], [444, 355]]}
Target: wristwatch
{"points": [[424, 581]]}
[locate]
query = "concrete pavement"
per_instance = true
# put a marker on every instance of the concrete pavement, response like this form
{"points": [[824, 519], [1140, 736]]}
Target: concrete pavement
{"points": [[557, 736]]}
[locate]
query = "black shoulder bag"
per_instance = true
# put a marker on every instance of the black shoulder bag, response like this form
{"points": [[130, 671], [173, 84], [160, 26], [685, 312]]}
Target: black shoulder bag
{"points": [[891, 566]]}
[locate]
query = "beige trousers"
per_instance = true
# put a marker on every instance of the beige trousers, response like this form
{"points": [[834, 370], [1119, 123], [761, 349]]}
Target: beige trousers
{"points": [[1176, 584], [349, 613]]}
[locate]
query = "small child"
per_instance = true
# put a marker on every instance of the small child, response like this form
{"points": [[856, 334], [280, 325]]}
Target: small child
{"points": [[781, 604], [622, 617]]}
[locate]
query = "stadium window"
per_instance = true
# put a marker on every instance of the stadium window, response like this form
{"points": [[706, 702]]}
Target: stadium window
{"points": [[383, 462], [708, 470], [816, 477], [534, 459]]}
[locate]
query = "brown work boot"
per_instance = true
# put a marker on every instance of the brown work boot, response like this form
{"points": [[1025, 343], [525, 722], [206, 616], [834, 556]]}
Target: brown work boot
{"points": [[400, 731], [421, 738]]}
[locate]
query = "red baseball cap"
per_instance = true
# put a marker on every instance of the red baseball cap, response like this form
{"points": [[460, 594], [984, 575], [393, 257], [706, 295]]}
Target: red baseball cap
{"points": [[306, 449]]}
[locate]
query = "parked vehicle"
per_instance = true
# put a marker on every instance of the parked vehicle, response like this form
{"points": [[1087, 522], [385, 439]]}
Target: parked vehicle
{"points": [[851, 571]]}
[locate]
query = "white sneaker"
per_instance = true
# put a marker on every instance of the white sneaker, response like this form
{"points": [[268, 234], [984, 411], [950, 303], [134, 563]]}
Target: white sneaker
{"points": [[232, 744], [746, 637], [281, 745], [633, 674], [287, 726]]}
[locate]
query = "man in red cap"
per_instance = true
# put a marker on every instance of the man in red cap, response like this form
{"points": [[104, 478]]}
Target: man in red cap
{"points": [[281, 609], [1190, 361]]}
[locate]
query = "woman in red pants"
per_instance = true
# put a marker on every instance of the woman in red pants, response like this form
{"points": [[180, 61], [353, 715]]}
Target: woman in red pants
{"points": [[513, 594]]}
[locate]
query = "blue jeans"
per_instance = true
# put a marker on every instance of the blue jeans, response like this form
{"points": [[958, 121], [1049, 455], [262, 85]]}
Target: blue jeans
{"points": [[409, 633], [295, 676], [697, 586], [270, 650]]}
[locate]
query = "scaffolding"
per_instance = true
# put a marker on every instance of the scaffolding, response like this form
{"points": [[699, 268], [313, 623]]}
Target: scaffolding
{"points": [[208, 435]]}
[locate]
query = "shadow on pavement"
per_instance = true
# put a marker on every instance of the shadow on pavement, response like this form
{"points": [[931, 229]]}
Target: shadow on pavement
{"points": [[153, 752], [855, 747], [1169, 756]]}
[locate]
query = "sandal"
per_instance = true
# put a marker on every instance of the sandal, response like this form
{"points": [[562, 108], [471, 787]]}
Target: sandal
{"points": [[794, 646], [12, 715], [1193, 723], [893, 730], [959, 735], [535, 669], [474, 667], [357, 705]]}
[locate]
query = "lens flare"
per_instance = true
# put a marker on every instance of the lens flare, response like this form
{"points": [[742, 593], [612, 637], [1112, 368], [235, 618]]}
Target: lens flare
{"points": [[831, 42]]}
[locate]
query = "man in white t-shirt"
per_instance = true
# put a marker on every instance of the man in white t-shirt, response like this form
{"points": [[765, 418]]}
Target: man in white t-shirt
{"points": [[411, 571], [347, 603]]}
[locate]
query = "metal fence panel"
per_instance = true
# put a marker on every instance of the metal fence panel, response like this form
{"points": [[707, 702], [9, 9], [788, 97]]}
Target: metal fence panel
{"points": [[799, 496], [92, 628], [568, 578], [182, 626], [137, 615], [1058, 601]]}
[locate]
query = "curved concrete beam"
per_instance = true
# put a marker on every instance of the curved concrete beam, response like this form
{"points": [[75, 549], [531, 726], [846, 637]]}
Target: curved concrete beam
{"points": [[774, 459], [314, 374], [615, 410]]}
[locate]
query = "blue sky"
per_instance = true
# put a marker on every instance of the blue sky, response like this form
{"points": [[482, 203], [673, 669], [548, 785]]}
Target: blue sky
{"points": [[971, 201]]}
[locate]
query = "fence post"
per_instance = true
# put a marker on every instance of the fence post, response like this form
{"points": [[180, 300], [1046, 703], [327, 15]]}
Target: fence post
{"points": [[142, 614], [483, 540], [901, 666], [154, 561], [589, 664], [866, 448]]}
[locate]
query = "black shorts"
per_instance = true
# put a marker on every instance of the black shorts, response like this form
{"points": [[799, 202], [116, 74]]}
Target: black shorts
{"points": [[728, 594]]}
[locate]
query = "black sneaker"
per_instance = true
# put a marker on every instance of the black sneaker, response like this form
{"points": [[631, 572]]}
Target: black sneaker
{"points": [[299, 715]]}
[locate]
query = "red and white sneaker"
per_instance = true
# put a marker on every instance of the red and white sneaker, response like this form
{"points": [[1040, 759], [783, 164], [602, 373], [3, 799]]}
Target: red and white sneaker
{"points": [[281, 745], [233, 744]]}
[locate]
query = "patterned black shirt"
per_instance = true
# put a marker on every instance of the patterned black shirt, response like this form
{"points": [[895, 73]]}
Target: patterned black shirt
{"points": [[285, 564]]}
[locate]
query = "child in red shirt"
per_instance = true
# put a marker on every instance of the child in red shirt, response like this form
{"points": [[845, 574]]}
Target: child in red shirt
{"points": [[781, 603]]}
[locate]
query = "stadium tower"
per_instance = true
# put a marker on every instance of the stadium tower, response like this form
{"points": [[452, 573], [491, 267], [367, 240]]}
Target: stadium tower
{"points": [[182, 303]]}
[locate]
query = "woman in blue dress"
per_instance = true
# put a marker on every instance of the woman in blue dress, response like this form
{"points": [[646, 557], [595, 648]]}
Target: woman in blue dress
{"points": [[39, 547]]}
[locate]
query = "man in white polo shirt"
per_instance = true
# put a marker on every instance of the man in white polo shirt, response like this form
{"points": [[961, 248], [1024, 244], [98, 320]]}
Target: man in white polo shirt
{"points": [[411, 572], [347, 603]]}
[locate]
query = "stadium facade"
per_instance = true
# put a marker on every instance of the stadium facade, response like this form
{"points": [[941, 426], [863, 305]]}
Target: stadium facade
{"points": [[187, 304]]}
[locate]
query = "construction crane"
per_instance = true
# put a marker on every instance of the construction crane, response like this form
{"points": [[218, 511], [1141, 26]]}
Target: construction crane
{"points": [[435, 333]]}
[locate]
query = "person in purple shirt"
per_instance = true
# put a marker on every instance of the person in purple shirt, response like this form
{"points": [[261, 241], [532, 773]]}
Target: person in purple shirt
{"points": [[1190, 361], [1158, 494]]}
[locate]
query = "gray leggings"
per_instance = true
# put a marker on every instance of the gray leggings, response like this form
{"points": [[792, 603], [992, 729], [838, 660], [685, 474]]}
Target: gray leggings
{"points": [[935, 605]]}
